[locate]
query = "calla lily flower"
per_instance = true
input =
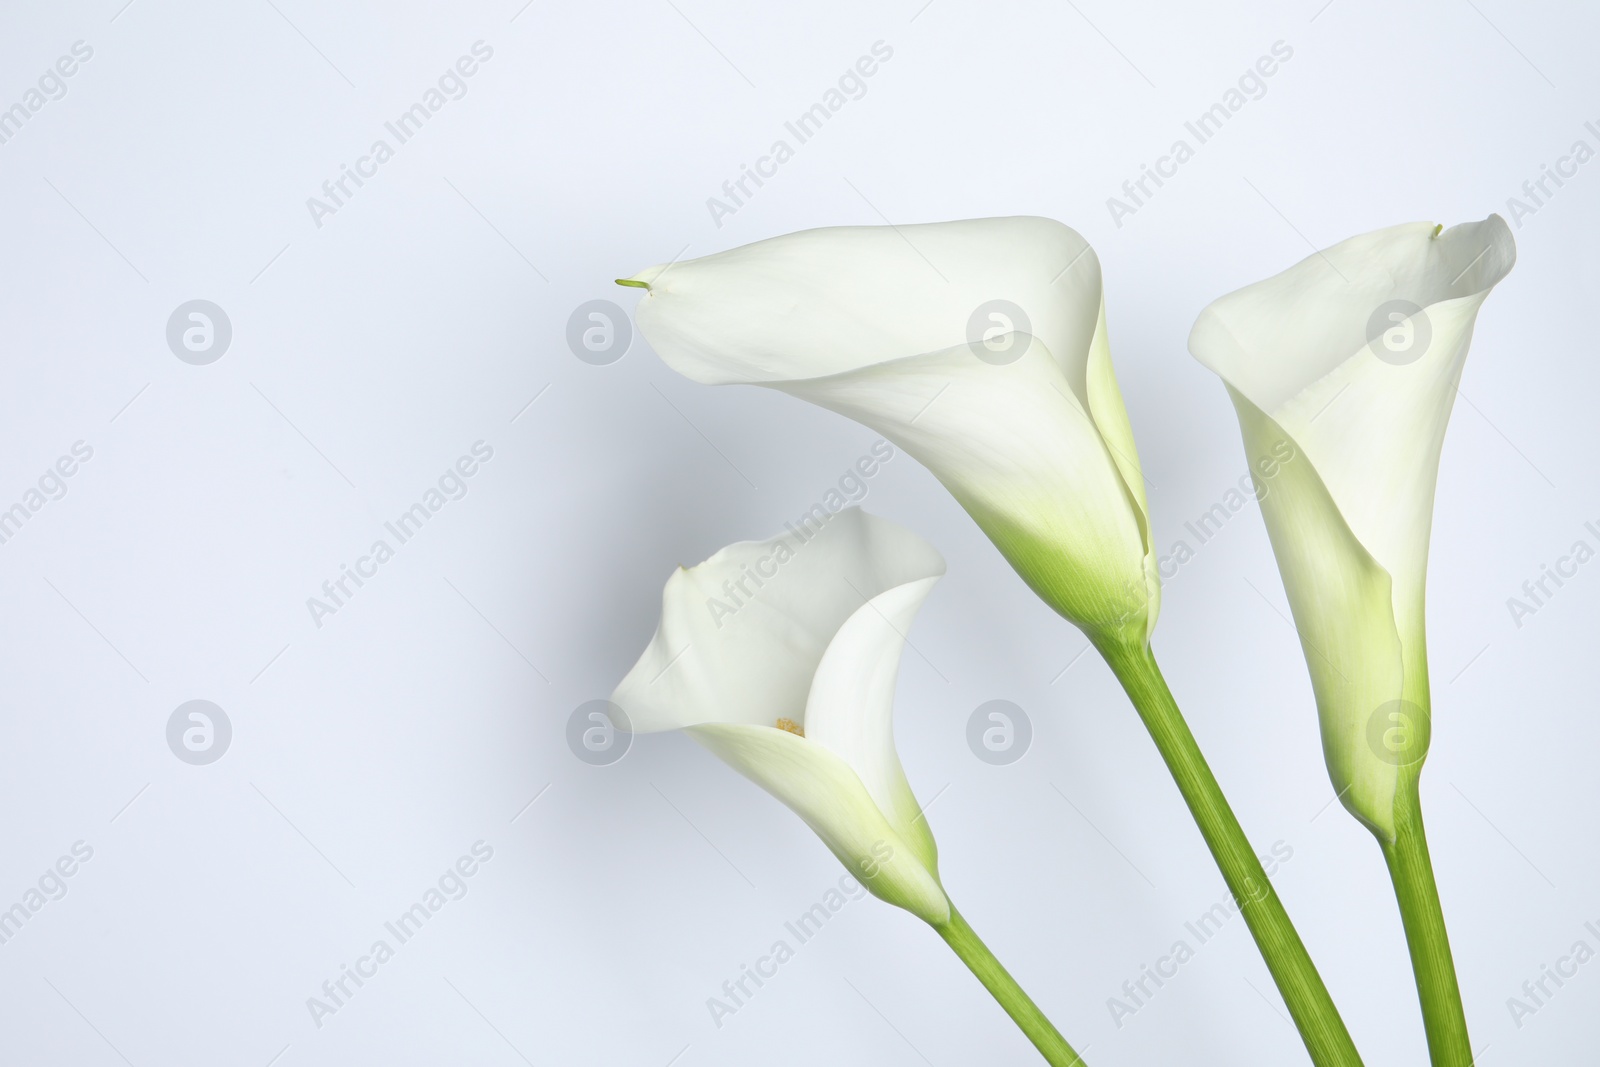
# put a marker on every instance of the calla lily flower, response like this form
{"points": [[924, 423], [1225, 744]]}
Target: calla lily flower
{"points": [[979, 347], [1352, 357], [795, 688]]}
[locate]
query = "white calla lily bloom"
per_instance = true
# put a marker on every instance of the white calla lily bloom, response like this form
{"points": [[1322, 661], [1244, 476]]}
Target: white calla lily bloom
{"points": [[980, 348], [795, 689], [1352, 357], [977, 346]]}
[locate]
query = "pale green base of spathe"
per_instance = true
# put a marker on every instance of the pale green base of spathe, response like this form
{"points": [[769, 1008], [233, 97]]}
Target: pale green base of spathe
{"points": [[1108, 604]]}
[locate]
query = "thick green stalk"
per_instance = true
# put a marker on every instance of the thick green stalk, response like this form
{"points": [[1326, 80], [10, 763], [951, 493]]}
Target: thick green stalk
{"points": [[1312, 1009], [1411, 869], [1004, 988]]}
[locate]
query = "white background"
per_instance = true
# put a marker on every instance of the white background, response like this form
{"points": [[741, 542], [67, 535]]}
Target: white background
{"points": [[370, 352]]}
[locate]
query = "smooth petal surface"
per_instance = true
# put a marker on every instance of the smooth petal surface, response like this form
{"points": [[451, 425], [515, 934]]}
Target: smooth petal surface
{"points": [[826, 792], [886, 325], [1344, 613], [817, 645], [742, 634], [1365, 395], [1352, 357], [851, 708], [836, 299], [1015, 448]]}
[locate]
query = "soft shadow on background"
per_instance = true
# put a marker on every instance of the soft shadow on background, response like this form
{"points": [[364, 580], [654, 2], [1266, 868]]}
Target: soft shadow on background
{"points": [[377, 339]]}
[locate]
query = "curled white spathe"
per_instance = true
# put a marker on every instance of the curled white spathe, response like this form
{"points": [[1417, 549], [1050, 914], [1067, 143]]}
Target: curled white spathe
{"points": [[895, 327], [781, 657], [1354, 355]]}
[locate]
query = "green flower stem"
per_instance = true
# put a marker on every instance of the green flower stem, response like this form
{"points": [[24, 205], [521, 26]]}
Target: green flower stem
{"points": [[1412, 872], [1312, 1009], [1004, 988]]}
